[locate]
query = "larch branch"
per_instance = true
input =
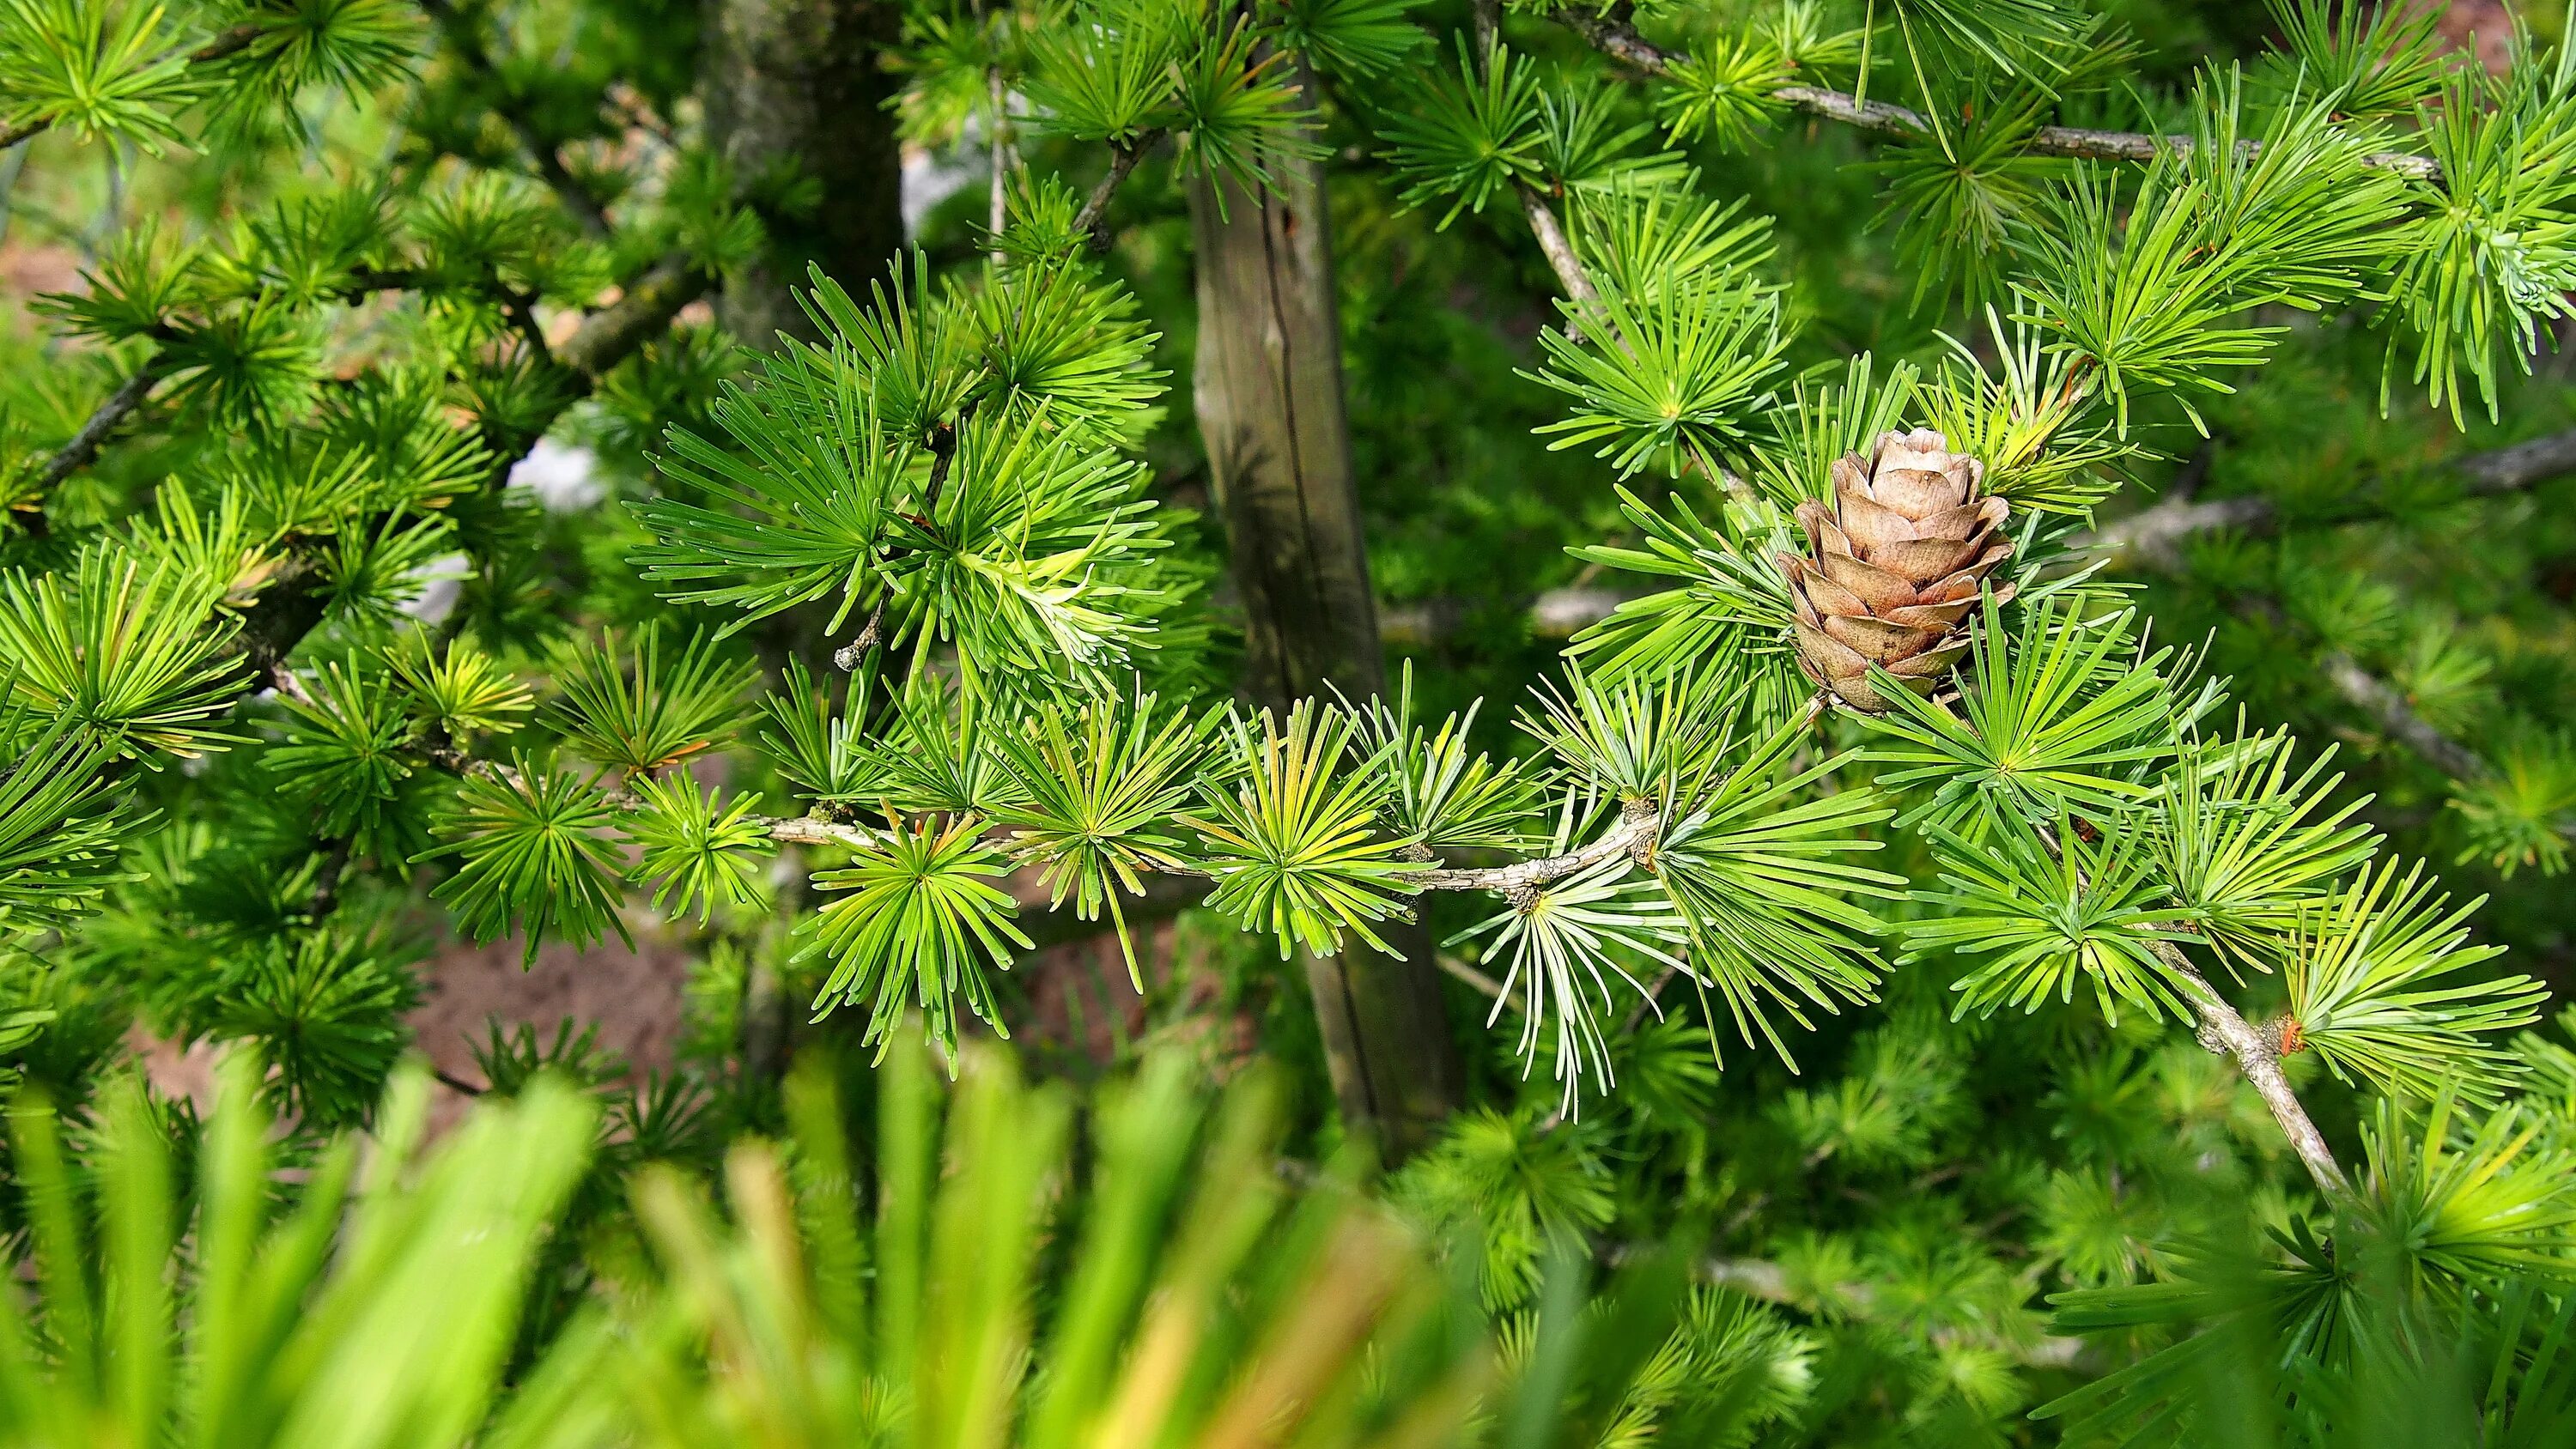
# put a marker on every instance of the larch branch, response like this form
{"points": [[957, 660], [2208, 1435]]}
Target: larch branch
{"points": [[1612, 34], [468, 43], [120, 405], [230, 42], [2151, 536], [1093, 220], [2223, 1029]]}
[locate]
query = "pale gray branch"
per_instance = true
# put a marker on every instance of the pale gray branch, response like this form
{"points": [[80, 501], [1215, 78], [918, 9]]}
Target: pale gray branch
{"points": [[1770, 1282], [2223, 1029], [1560, 256], [2152, 536], [1633, 839], [1612, 35], [2386, 705]]}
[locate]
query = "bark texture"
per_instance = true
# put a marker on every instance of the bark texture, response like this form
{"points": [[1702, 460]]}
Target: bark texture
{"points": [[802, 84], [1269, 395]]}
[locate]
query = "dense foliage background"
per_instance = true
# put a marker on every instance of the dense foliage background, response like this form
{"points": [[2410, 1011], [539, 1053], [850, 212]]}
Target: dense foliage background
{"points": [[416, 332]]}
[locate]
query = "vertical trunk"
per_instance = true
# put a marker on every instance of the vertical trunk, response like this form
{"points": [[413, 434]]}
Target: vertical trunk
{"points": [[1269, 394], [804, 82]]}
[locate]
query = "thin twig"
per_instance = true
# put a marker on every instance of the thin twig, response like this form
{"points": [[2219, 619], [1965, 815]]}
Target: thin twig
{"points": [[998, 204], [1561, 259], [455, 1083], [467, 41], [2152, 536], [1552, 240], [1613, 35], [1771, 1282], [290, 685], [521, 309], [288, 608], [326, 881], [2383, 702], [120, 405], [1633, 839], [1482, 984], [2223, 1029], [1093, 219], [943, 453], [610, 335]]}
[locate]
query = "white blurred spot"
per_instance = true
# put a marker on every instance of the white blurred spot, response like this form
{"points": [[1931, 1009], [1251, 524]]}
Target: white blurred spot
{"points": [[930, 177], [440, 585], [564, 479]]}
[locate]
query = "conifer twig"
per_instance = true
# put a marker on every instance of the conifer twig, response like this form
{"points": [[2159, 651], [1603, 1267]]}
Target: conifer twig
{"points": [[2389, 708], [612, 334], [2224, 1030], [1093, 220], [120, 405], [1561, 258], [1612, 33], [2152, 535], [1552, 240], [1003, 157], [288, 608], [2386, 705], [468, 43], [230, 42], [1640, 823], [943, 455]]}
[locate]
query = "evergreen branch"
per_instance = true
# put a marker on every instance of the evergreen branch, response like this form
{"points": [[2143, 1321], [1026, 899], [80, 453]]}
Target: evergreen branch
{"points": [[2149, 538], [288, 683], [1640, 822], [467, 42], [1560, 256], [120, 405], [2224, 1030], [290, 607], [1770, 1282], [229, 43], [521, 309], [2152, 536], [1612, 33], [1552, 240], [649, 304], [610, 335], [2504, 470], [1004, 157], [806, 830], [2388, 706], [943, 456], [1093, 220]]}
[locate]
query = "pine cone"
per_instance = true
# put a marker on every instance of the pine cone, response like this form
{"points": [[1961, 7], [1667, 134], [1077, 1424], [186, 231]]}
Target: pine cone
{"points": [[1895, 567]]}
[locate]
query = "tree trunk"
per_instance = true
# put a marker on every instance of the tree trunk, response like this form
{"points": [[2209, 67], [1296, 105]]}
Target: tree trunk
{"points": [[804, 82], [1269, 394]]}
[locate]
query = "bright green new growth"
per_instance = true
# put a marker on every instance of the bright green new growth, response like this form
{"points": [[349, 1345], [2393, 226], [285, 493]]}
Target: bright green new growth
{"points": [[835, 1299], [928, 555]]}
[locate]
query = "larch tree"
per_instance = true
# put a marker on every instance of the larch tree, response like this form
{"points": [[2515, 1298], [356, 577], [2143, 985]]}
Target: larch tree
{"points": [[2040, 503]]}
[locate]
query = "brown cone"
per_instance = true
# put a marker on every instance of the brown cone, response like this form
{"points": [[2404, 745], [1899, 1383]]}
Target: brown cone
{"points": [[1894, 567]]}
